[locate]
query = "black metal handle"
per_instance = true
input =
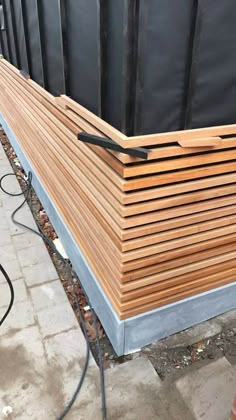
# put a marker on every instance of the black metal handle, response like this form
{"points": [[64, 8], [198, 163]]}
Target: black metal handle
{"points": [[106, 143]]}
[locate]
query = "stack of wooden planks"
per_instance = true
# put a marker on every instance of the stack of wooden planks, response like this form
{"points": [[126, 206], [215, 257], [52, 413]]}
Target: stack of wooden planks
{"points": [[153, 232]]}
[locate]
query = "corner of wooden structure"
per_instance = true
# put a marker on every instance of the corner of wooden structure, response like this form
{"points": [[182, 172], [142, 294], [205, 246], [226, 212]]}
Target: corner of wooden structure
{"points": [[59, 102]]}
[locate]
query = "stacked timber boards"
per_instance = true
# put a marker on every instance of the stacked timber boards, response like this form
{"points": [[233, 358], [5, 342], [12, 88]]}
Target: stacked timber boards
{"points": [[153, 232]]}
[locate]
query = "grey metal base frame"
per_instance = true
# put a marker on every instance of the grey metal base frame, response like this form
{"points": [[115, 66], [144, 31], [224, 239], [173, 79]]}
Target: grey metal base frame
{"points": [[133, 333]]}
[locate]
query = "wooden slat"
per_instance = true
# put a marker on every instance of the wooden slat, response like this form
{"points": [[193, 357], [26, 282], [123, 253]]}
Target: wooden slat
{"points": [[176, 253], [184, 273], [153, 232], [130, 278], [176, 177], [202, 285]]}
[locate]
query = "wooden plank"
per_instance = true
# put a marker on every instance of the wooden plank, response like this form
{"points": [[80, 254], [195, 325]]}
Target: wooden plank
{"points": [[177, 253], [77, 220], [168, 281], [179, 296], [203, 142], [106, 128], [174, 212], [174, 189], [165, 181], [201, 285], [129, 279], [124, 211], [178, 233], [221, 207], [174, 164], [166, 232], [179, 275], [177, 243], [172, 177], [197, 133], [178, 200]]}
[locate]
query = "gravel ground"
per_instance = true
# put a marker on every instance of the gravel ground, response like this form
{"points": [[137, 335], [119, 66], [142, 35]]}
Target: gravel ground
{"points": [[168, 360]]}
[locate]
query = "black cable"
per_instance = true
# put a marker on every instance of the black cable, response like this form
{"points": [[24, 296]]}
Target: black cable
{"points": [[12, 294], [101, 370], [27, 192]]}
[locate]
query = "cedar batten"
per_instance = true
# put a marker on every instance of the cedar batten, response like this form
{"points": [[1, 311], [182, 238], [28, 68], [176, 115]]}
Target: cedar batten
{"points": [[153, 231]]}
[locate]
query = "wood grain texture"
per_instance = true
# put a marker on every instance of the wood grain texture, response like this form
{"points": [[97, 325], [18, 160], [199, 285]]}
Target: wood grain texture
{"points": [[153, 232]]}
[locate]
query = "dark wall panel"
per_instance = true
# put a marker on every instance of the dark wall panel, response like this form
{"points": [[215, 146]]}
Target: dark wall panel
{"points": [[52, 46], [7, 7], [121, 56], [116, 38], [213, 100], [3, 34], [20, 38], [143, 65], [83, 52], [165, 36], [32, 31]]}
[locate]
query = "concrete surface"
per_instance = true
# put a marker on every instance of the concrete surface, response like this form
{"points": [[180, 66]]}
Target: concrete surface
{"points": [[203, 390], [42, 350]]}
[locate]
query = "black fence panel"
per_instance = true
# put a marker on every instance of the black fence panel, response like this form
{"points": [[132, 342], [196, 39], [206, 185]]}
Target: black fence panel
{"points": [[164, 53], [33, 39], [20, 35], [52, 46], [3, 34], [117, 50], [11, 34], [144, 66], [213, 84], [83, 52]]}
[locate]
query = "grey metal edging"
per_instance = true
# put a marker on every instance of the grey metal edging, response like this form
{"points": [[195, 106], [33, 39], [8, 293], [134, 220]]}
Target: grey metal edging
{"points": [[136, 332], [162, 322]]}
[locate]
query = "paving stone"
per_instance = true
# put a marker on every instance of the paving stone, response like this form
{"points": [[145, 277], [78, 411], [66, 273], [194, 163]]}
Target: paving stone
{"points": [[11, 203], [39, 273], [3, 157], [24, 217], [5, 167], [3, 220], [28, 384], [26, 240], [5, 238], [10, 183], [141, 400], [193, 335], [132, 394], [21, 316], [13, 270], [33, 255], [28, 337], [48, 295], [7, 253], [56, 319], [19, 291], [67, 349], [209, 391]]}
